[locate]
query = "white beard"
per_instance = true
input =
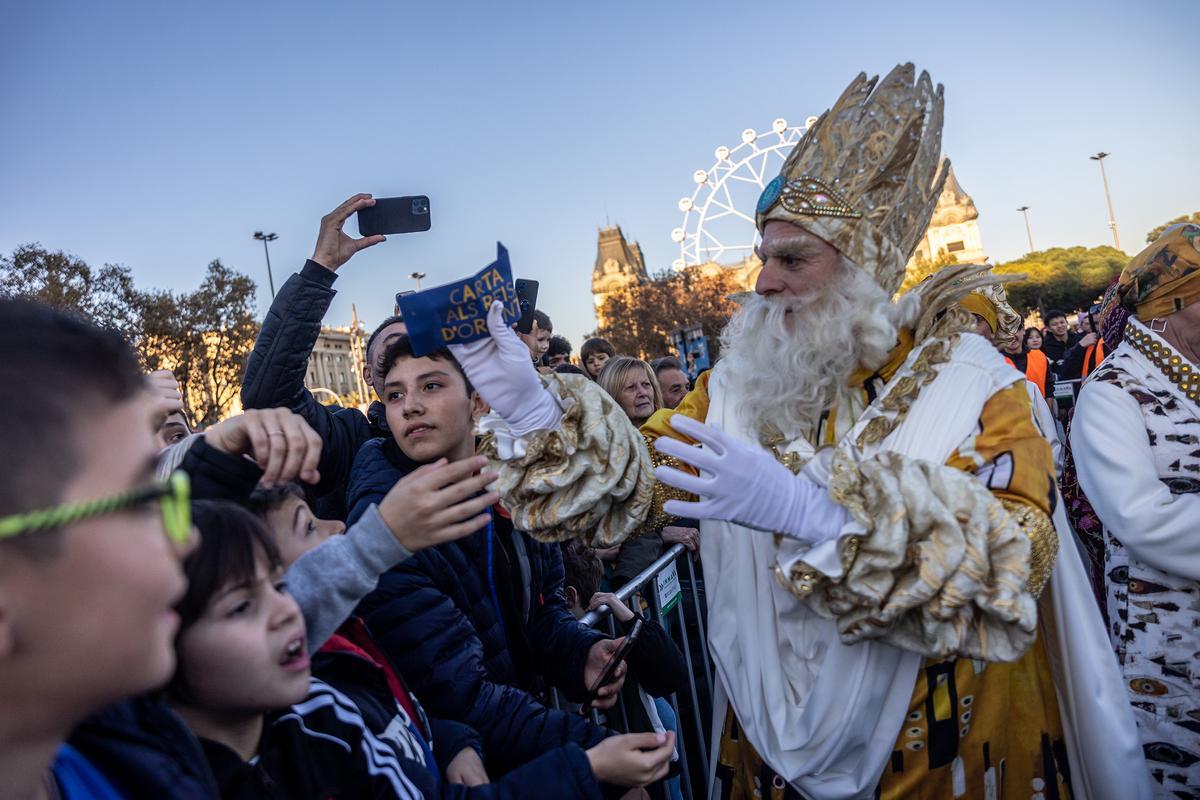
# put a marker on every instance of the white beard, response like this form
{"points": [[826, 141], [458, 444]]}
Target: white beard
{"points": [[788, 368]]}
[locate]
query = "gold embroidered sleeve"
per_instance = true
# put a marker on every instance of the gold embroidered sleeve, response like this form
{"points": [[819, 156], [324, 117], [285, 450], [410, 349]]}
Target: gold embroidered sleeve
{"points": [[940, 568], [1043, 541], [694, 405], [662, 493], [591, 478]]}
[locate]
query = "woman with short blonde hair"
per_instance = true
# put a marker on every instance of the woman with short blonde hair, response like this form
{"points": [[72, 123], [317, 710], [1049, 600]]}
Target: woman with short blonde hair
{"points": [[633, 384]]}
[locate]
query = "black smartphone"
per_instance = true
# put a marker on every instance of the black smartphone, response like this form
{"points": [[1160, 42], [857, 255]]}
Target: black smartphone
{"points": [[630, 640], [527, 292], [395, 215]]}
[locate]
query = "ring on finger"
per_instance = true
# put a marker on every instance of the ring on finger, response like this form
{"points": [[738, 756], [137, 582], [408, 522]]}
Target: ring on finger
{"points": [[274, 433]]}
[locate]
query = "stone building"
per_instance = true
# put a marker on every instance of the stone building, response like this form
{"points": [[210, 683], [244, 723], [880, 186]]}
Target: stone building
{"points": [[619, 263], [335, 366], [954, 228]]}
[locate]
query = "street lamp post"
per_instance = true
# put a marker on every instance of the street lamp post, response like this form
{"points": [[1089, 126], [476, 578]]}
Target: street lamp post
{"points": [[1028, 233], [416, 276], [1112, 220], [264, 238]]}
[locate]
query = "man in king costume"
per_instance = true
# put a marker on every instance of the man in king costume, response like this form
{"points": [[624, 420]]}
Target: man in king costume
{"points": [[877, 506]]}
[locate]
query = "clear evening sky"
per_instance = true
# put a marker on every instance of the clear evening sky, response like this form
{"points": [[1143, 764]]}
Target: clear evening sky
{"points": [[161, 135]]}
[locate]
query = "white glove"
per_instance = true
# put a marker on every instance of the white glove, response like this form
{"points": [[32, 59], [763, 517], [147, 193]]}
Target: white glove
{"points": [[501, 370], [743, 484]]}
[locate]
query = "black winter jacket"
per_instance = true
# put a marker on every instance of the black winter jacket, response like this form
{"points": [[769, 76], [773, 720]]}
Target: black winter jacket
{"points": [[275, 378], [146, 750], [436, 616]]}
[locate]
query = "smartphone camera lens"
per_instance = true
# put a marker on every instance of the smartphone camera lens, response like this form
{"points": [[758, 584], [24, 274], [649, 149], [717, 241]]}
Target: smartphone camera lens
{"points": [[420, 206]]}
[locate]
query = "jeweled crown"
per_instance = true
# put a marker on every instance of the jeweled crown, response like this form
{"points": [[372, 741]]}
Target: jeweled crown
{"points": [[867, 175]]}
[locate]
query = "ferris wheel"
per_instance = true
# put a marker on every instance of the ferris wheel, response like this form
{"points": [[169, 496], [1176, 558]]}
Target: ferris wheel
{"points": [[718, 218]]}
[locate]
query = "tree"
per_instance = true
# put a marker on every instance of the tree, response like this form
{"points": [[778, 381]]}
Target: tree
{"points": [[204, 336], [67, 283], [639, 318], [1062, 277], [1156, 232]]}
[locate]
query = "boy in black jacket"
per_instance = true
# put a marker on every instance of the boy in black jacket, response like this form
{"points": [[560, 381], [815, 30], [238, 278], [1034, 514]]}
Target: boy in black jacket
{"points": [[476, 625]]}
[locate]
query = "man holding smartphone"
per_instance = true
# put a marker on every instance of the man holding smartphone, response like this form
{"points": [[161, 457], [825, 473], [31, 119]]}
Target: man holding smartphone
{"points": [[279, 361]]}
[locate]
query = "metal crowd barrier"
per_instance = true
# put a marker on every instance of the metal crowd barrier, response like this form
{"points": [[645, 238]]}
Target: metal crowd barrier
{"points": [[693, 735]]}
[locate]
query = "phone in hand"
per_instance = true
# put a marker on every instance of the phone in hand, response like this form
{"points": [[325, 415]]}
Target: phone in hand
{"points": [[395, 215], [527, 292], [619, 656]]}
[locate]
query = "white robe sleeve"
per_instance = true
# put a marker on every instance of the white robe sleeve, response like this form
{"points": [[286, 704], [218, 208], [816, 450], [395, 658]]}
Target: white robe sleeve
{"points": [[1117, 472], [1046, 424]]}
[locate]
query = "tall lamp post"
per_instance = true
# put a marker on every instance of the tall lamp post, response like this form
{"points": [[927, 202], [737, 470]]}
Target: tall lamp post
{"points": [[1028, 233], [264, 238], [416, 276], [1112, 220]]}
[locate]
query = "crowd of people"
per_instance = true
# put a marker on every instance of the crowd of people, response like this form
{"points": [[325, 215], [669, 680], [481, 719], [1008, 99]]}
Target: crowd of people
{"points": [[937, 554]]}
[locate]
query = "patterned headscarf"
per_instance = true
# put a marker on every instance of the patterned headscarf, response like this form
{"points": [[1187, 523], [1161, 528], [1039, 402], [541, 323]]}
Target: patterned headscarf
{"points": [[1165, 277], [1110, 321]]}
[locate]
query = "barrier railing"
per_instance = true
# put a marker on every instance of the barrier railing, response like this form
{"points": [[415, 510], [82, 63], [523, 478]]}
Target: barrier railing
{"points": [[667, 602]]}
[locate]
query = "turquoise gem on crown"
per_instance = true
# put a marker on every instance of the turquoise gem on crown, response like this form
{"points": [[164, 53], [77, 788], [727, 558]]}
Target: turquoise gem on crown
{"points": [[770, 194]]}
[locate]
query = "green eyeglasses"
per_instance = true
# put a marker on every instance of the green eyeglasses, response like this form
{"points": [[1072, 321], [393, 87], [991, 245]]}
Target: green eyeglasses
{"points": [[173, 493]]}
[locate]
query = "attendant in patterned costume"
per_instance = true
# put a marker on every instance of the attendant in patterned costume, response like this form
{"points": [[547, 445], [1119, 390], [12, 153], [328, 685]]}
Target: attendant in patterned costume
{"points": [[1136, 439], [876, 502]]}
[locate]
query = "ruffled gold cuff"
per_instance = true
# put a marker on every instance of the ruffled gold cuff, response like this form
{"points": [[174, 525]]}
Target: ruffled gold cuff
{"points": [[943, 569], [591, 478]]}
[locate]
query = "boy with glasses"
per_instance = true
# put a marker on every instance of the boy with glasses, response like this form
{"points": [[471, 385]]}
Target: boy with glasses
{"points": [[89, 545]]}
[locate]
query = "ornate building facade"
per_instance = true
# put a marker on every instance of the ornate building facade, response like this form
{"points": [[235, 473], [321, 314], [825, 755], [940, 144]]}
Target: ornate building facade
{"points": [[336, 366], [954, 228], [619, 263]]}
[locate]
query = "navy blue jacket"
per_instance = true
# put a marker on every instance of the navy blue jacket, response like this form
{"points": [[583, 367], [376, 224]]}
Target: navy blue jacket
{"points": [[146, 750], [436, 617], [275, 379]]}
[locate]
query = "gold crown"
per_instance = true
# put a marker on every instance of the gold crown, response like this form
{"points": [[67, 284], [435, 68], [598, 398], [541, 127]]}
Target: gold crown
{"points": [[867, 175]]}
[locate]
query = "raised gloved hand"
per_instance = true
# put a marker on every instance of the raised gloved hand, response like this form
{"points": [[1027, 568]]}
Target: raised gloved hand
{"points": [[743, 484], [501, 370]]}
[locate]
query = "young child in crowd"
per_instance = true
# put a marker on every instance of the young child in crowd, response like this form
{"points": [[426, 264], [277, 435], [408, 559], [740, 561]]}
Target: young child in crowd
{"points": [[269, 731], [243, 683], [594, 354], [89, 546]]}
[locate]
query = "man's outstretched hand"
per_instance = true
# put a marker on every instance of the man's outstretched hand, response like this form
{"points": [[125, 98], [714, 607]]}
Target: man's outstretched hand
{"points": [[279, 440], [741, 483], [334, 247]]}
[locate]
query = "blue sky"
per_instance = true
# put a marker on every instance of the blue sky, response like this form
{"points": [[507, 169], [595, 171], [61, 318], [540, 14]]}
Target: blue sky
{"points": [[162, 135]]}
